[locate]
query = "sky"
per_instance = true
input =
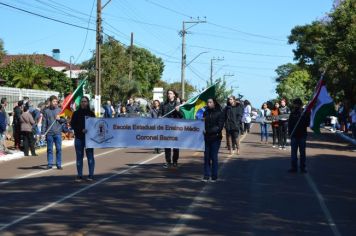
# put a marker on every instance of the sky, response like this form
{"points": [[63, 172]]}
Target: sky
{"points": [[250, 36]]}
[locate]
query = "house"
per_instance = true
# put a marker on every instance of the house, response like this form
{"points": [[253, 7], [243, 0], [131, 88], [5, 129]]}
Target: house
{"points": [[72, 71]]}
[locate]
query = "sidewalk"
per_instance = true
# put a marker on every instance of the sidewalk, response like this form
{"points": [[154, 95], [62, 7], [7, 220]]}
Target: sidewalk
{"points": [[19, 154]]}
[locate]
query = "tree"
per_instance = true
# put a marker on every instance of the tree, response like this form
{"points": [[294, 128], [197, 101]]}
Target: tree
{"points": [[116, 86], [294, 86], [221, 91], [177, 86], [25, 73], [2, 50], [330, 45]]}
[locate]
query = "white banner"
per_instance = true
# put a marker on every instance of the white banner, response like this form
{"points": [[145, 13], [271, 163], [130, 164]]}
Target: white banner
{"points": [[144, 133]]}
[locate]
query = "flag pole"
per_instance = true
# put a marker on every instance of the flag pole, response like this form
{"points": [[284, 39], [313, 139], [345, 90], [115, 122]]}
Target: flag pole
{"points": [[188, 99], [311, 100]]}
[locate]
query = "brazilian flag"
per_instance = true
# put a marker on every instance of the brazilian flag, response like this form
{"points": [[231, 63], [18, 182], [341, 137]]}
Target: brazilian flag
{"points": [[195, 106]]}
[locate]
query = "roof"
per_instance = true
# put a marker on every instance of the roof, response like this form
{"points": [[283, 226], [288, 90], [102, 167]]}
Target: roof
{"points": [[40, 59]]}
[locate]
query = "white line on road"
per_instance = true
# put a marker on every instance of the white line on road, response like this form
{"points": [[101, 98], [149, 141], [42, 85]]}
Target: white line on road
{"points": [[45, 208], [323, 205], [45, 171], [188, 214]]}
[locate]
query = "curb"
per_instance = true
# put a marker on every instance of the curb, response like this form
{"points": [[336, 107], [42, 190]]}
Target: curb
{"points": [[18, 154]]}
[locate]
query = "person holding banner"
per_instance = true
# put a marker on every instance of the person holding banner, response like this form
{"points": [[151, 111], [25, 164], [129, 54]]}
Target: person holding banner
{"points": [[52, 129], [297, 126], [214, 123], [78, 124], [170, 109]]}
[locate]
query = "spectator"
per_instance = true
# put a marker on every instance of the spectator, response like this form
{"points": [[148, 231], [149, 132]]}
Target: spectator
{"points": [[7, 121], [108, 110], [131, 107], [17, 124], [123, 112], [2, 129], [155, 110], [27, 123], [353, 121]]}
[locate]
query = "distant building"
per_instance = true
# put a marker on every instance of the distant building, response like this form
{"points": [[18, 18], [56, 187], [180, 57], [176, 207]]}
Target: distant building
{"points": [[71, 71]]}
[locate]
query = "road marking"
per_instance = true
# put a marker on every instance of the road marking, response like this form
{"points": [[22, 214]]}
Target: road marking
{"points": [[45, 171], [188, 214], [45, 208], [322, 204]]}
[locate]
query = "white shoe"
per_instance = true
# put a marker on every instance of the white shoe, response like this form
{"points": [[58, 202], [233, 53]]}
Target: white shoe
{"points": [[274, 146]]}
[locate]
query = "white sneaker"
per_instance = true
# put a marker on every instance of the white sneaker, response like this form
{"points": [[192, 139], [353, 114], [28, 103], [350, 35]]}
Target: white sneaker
{"points": [[274, 146]]}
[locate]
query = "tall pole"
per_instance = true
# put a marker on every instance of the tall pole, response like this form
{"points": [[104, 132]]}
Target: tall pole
{"points": [[183, 62], [130, 65], [98, 61], [184, 56], [211, 67]]}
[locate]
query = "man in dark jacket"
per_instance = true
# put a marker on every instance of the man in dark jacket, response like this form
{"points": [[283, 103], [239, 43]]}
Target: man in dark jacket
{"points": [[233, 116], [52, 127], [170, 109], [297, 127]]}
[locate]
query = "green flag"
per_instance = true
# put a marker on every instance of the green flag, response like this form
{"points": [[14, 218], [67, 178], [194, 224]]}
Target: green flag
{"points": [[195, 106]]}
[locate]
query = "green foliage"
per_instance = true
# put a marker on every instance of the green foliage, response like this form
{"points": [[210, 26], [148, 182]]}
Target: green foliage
{"points": [[294, 86], [115, 85], [330, 45], [176, 86], [221, 90], [25, 73], [2, 50]]}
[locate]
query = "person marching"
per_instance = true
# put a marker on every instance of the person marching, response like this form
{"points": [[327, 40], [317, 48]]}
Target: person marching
{"points": [[264, 114], [155, 112], [297, 129], [78, 124], [170, 109], [246, 118], [275, 129], [233, 115], [214, 123], [52, 127], [283, 124]]}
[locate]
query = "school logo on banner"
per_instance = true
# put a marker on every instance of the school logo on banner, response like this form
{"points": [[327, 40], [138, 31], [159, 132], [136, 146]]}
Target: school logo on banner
{"points": [[103, 133]]}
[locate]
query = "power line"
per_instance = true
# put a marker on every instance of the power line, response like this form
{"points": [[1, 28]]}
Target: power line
{"points": [[168, 9], [46, 17], [86, 35], [238, 52]]}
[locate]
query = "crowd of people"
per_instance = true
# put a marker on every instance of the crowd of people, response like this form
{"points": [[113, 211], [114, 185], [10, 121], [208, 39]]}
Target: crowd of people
{"points": [[43, 126]]}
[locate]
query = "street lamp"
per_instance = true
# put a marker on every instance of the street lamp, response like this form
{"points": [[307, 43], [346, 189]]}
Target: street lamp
{"points": [[70, 67], [211, 67]]}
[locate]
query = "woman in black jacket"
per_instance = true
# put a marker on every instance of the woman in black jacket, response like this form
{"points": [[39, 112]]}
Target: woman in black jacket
{"points": [[233, 115], [214, 123], [78, 124]]}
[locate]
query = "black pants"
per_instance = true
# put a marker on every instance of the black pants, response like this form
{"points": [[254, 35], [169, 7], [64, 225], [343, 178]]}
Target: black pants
{"points": [[28, 143], [247, 127], [276, 138], [283, 131], [234, 134], [168, 151]]}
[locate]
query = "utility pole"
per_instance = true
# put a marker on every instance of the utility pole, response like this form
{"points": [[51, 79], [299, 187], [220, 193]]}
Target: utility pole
{"points": [[98, 60], [211, 67], [184, 56], [130, 65]]}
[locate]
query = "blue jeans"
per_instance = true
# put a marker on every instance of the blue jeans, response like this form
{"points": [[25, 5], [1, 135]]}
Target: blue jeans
{"points": [[211, 158], [298, 143], [57, 140], [79, 145], [264, 132]]}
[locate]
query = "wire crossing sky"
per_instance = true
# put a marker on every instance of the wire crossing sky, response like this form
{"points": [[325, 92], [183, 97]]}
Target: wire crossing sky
{"points": [[250, 35]]}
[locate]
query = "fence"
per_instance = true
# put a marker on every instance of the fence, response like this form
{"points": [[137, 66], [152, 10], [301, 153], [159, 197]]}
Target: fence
{"points": [[14, 95]]}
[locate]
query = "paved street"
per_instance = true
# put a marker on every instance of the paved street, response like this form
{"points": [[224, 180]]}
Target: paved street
{"points": [[134, 195]]}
